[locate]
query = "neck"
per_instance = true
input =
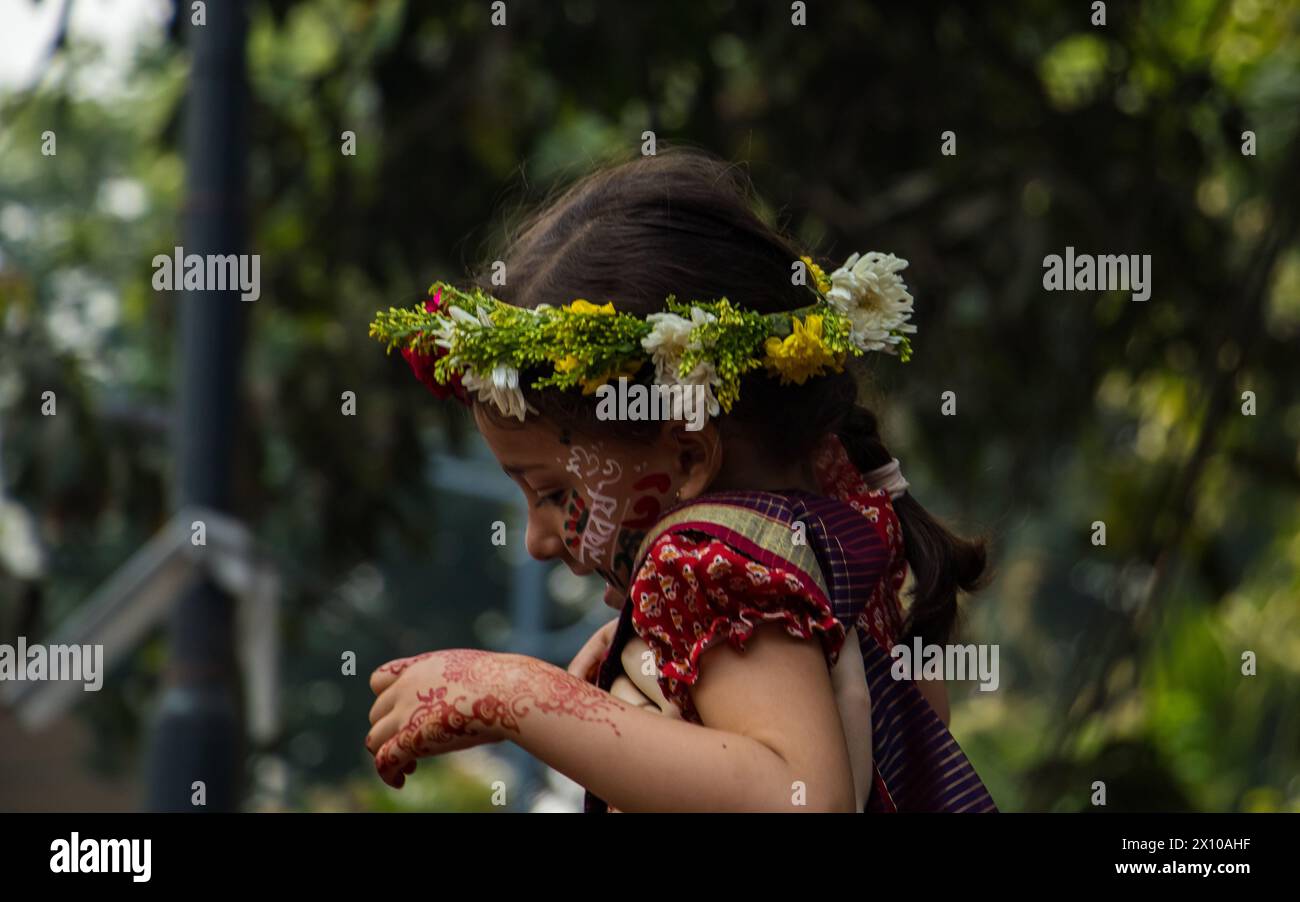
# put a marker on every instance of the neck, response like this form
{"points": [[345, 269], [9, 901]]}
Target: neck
{"points": [[745, 471]]}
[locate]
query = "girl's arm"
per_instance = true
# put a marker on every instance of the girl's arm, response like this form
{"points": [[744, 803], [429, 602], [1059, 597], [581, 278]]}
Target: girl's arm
{"points": [[773, 740], [853, 700], [639, 686], [936, 693]]}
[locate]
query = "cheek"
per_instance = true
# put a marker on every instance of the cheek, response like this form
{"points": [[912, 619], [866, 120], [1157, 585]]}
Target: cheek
{"points": [[645, 505], [575, 521], [646, 502]]}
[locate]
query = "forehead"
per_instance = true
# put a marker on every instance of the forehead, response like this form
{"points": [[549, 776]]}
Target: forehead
{"points": [[522, 445]]}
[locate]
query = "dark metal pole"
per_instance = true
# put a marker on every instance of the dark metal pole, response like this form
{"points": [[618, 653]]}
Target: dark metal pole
{"points": [[198, 734]]}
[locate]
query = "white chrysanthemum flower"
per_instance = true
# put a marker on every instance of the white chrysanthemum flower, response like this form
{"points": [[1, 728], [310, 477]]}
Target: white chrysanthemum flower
{"points": [[670, 338], [669, 334], [868, 290], [704, 374], [461, 315], [442, 331], [668, 341], [445, 327], [501, 388]]}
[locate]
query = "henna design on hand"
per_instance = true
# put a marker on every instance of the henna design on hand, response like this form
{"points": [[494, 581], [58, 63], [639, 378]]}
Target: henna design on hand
{"points": [[396, 667], [485, 691]]}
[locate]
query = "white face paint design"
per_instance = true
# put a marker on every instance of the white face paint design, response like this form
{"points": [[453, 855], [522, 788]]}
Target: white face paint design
{"points": [[602, 517]]}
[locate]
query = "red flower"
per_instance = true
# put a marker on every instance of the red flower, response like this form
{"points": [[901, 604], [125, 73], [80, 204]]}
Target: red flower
{"points": [[422, 364]]}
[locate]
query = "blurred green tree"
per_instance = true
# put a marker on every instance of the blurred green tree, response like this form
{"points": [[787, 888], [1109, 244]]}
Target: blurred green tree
{"points": [[1123, 663]]}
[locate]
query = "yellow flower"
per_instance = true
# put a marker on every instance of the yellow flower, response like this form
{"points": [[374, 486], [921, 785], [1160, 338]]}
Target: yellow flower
{"points": [[569, 363], [581, 306], [822, 283], [802, 353], [628, 369]]}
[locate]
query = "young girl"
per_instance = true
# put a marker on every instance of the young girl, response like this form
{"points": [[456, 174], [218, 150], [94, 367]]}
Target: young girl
{"points": [[756, 562]]}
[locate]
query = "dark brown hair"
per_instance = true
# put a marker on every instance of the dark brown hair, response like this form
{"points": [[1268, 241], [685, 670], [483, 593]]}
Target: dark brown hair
{"points": [[682, 222]]}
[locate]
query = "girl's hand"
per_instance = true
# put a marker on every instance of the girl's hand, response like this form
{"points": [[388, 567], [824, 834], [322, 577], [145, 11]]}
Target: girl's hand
{"points": [[440, 701], [586, 663], [635, 686], [642, 675]]}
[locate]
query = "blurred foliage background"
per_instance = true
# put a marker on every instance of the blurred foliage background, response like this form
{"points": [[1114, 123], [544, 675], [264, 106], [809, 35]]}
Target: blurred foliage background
{"points": [[1120, 663]]}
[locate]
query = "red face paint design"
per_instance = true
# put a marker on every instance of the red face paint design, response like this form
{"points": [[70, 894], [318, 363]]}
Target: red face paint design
{"points": [[647, 507], [642, 510], [604, 524], [575, 521]]}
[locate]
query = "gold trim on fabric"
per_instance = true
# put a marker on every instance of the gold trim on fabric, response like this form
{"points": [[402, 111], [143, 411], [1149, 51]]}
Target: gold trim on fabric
{"points": [[767, 533]]}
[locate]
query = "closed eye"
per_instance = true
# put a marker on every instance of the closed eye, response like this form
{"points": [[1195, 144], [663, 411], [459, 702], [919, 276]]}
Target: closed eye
{"points": [[552, 498]]}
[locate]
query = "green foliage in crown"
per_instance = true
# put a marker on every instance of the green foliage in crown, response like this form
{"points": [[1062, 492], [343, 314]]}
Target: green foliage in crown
{"points": [[475, 343]]}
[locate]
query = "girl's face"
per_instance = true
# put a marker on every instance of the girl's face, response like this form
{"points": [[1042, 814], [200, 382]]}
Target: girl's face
{"points": [[590, 501]]}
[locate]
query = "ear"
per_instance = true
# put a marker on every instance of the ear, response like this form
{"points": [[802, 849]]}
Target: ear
{"points": [[697, 456]]}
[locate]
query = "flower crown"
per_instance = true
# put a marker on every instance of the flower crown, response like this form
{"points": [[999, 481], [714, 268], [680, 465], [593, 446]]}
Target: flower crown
{"points": [[460, 342]]}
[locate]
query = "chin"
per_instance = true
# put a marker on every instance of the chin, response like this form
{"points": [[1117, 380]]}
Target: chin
{"points": [[577, 570], [614, 598]]}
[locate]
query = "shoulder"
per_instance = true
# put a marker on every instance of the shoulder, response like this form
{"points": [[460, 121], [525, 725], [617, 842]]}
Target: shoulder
{"points": [[694, 591]]}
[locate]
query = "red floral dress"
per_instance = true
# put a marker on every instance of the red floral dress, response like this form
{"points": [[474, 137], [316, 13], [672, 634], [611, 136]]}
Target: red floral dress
{"points": [[694, 591]]}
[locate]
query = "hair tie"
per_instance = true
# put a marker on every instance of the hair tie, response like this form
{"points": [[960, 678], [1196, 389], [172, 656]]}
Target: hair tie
{"points": [[889, 477]]}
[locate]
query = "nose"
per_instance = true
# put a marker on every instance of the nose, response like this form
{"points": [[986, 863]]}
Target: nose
{"points": [[542, 541]]}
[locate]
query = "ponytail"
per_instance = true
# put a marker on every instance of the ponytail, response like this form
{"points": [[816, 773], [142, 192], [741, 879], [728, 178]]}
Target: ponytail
{"points": [[942, 563]]}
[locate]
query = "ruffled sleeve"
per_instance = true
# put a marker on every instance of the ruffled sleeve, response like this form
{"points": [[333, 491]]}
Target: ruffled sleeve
{"points": [[691, 594]]}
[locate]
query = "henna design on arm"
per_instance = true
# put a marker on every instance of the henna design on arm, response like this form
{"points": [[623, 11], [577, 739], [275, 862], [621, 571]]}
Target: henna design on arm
{"points": [[485, 692]]}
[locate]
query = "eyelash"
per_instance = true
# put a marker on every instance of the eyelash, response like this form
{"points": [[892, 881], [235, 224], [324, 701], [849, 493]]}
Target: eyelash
{"points": [[554, 498]]}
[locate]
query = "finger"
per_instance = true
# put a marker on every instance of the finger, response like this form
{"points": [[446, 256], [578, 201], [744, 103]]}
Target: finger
{"points": [[584, 662], [649, 687], [382, 705], [656, 695], [386, 772], [381, 732], [381, 679], [391, 779], [636, 655], [595, 645], [391, 761], [386, 674], [593, 652], [395, 779]]}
